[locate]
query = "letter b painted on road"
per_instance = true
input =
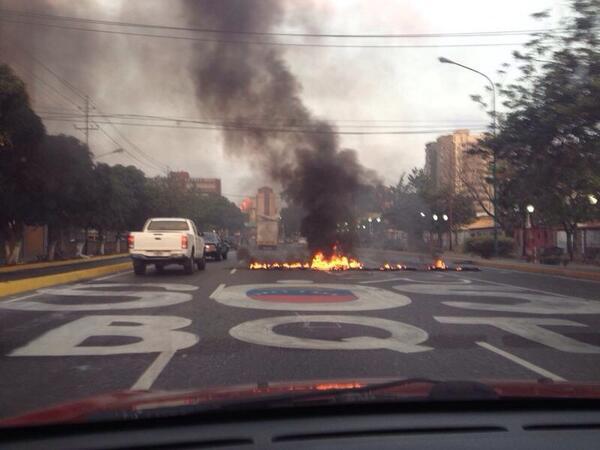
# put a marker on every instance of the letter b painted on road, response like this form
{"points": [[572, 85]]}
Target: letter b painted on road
{"points": [[155, 334]]}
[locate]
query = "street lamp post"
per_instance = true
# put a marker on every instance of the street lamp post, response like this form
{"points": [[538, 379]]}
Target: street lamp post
{"points": [[529, 211], [493, 86]]}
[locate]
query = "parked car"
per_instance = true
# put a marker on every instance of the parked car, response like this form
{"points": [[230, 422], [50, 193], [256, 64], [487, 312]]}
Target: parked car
{"points": [[214, 247], [163, 241]]}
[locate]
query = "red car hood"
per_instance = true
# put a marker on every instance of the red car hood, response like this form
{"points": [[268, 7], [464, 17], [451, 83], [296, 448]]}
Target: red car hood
{"points": [[128, 400]]}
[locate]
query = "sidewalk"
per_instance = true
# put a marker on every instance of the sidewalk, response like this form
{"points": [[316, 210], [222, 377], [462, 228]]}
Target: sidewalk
{"points": [[573, 270], [27, 277]]}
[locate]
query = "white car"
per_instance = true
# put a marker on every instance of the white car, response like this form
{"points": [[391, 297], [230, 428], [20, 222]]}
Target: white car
{"points": [[167, 240]]}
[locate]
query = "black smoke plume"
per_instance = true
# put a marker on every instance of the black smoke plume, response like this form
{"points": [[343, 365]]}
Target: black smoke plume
{"points": [[252, 89]]}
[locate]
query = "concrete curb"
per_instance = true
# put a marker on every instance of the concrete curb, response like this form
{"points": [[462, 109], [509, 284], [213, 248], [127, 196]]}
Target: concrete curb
{"points": [[29, 284]]}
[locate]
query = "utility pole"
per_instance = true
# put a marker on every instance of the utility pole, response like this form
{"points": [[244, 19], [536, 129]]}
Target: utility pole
{"points": [[87, 127]]}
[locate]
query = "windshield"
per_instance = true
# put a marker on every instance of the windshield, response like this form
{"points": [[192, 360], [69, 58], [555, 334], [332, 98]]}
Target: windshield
{"points": [[395, 190], [210, 238], [168, 225]]}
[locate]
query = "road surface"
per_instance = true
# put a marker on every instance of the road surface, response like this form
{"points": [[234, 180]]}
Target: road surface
{"points": [[229, 325]]}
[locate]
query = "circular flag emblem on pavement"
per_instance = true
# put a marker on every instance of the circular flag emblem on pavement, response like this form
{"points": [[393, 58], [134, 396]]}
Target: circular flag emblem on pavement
{"points": [[301, 294]]}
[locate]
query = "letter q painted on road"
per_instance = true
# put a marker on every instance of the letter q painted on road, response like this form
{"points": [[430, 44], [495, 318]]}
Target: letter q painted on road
{"points": [[165, 294], [157, 334], [531, 328], [309, 297], [403, 338]]}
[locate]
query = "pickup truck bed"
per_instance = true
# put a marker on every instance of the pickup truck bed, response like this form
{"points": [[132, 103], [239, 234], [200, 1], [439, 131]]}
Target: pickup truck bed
{"points": [[167, 241]]}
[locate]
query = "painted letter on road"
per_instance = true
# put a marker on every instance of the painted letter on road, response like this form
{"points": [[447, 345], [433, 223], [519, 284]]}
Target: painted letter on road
{"points": [[403, 338], [156, 334], [531, 328]]}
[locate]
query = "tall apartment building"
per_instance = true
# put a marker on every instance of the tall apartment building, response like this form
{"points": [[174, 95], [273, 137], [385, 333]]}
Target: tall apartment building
{"points": [[451, 166]]}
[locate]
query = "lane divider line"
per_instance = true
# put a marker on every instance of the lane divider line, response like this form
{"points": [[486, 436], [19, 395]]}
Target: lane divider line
{"points": [[217, 290], [233, 271], [148, 378], [521, 362]]}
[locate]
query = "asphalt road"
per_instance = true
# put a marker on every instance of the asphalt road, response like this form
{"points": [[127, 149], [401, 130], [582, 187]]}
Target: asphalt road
{"points": [[229, 325]]}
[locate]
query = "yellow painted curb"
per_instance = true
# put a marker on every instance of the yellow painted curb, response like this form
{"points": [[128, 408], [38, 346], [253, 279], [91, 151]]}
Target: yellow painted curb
{"points": [[30, 284], [64, 262]]}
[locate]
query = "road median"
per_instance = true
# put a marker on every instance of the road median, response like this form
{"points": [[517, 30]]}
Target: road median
{"points": [[13, 287]]}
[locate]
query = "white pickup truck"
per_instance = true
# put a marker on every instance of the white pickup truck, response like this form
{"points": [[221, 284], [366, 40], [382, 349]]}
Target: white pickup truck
{"points": [[167, 240]]}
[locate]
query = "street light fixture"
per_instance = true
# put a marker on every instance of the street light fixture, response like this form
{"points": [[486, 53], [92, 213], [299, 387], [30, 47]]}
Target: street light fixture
{"points": [[435, 217], [118, 150], [445, 217], [593, 199], [423, 214], [494, 181], [530, 209], [378, 219], [370, 220]]}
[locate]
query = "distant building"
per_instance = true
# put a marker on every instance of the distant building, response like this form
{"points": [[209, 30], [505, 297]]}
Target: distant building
{"points": [[204, 185], [451, 166], [266, 202]]}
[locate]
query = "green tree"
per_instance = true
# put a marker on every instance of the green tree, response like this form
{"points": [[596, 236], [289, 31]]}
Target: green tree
{"points": [[548, 143], [21, 132], [66, 173], [121, 200]]}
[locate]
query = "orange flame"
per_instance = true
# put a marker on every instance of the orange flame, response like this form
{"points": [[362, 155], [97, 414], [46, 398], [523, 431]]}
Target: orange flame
{"points": [[439, 264], [388, 266], [319, 262], [335, 262]]}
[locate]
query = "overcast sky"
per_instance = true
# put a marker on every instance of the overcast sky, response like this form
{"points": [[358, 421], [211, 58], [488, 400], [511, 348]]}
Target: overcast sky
{"points": [[402, 88]]}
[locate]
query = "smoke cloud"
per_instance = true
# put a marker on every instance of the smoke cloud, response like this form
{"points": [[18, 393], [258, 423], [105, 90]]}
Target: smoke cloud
{"points": [[252, 88]]}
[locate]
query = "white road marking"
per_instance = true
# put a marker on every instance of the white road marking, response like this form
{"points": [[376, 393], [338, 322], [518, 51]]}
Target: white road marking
{"points": [[384, 280], [513, 286], [531, 302], [142, 299], [460, 281], [217, 290], [23, 297], [547, 275], [114, 275], [233, 271], [365, 297], [521, 362], [155, 334], [403, 338], [531, 328], [153, 371]]}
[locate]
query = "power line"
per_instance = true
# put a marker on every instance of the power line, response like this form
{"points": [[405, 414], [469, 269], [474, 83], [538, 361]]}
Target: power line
{"points": [[278, 34], [268, 129], [156, 164], [268, 43], [249, 122], [132, 156]]}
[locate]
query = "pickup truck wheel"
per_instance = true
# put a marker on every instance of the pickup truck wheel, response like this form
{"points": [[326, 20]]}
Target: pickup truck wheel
{"points": [[139, 268], [201, 263], [188, 265]]}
